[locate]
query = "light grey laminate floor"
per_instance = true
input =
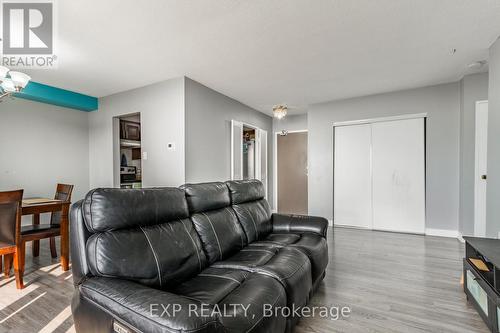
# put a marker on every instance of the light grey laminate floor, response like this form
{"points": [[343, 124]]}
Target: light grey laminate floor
{"points": [[391, 283]]}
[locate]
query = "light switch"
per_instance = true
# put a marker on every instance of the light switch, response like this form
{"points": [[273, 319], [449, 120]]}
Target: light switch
{"points": [[144, 155]]}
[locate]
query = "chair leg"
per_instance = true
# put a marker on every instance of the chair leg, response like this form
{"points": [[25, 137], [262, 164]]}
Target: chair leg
{"points": [[36, 243], [8, 264], [19, 264], [36, 248], [53, 250]]}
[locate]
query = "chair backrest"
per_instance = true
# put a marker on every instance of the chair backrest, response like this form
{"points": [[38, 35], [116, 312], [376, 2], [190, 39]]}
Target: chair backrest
{"points": [[10, 216], [63, 192]]}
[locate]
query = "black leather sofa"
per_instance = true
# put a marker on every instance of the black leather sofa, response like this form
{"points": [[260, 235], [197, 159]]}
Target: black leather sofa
{"points": [[185, 259]]}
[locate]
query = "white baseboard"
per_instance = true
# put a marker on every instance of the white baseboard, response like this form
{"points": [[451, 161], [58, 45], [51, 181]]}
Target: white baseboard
{"points": [[442, 233], [460, 238]]}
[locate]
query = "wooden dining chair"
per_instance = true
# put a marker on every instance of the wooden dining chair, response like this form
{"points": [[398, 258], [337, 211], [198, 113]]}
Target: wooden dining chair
{"points": [[37, 231], [10, 225]]}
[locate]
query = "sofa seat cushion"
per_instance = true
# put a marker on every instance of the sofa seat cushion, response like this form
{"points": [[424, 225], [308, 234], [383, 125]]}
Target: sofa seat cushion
{"points": [[278, 240], [292, 268], [211, 285], [316, 248], [288, 265], [257, 293], [283, 238], [248, 258], [143, 309]]}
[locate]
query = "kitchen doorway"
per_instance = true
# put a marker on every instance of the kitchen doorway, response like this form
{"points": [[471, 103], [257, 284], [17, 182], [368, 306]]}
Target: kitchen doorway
{"points": [[129, 158]]}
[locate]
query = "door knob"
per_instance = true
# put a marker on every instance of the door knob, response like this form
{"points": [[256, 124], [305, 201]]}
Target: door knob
{"points": [[483, 177]]}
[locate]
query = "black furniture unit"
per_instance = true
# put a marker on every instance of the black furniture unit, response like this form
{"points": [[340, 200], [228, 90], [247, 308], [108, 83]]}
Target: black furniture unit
{"points": [[201, 246], [482, 286]]}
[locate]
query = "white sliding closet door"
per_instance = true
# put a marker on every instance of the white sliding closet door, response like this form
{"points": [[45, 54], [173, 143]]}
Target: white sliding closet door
{"points": [[398, 168], [352, 174]]}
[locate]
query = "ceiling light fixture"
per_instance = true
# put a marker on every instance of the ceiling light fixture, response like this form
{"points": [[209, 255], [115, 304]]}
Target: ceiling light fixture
{"points": [[477, 64], [280, 111], [12, 82]]}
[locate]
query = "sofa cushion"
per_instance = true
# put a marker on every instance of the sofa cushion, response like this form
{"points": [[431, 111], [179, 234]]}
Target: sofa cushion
{"points": [[284, 239], [255, 218], [245, 190], [140, 307], [160, 256], [253, 211], [248, 258], [312, 245], [316, 248], [206, 196], [291, 267], [220, 232], [107, 209], [211, 285], [258, 293]]}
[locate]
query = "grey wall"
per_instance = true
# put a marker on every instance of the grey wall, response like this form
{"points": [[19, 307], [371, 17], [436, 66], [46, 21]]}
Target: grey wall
{"points": [[441, 103], [208, 132], [493, 194], [473, 88], [42, 145], [162, 121], [290, 123]]}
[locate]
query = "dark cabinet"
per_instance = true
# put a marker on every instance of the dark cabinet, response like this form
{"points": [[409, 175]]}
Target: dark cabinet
{"points": [[130, 130], [482, 281], [136, 153]]}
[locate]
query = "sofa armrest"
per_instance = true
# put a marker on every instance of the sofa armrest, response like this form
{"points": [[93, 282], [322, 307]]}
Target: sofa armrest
{"points": [[300, 224], [143, 309]]}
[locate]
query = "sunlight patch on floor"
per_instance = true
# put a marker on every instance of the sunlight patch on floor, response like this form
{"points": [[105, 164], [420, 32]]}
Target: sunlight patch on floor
{"points": [[57, 321]]}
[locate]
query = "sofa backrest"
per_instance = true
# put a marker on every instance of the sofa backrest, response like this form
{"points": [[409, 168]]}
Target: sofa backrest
{"points": [[141, 235], [251, 207], [214, 220]]}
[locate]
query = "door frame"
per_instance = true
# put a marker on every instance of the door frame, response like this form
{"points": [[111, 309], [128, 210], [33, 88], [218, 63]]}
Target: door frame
{"points": [[477, 174], [380, 119], [115, 121], [258, 146], [275, 165]]}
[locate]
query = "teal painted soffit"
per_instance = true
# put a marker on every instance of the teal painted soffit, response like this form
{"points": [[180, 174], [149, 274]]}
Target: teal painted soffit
{"points": [[51, 95]]}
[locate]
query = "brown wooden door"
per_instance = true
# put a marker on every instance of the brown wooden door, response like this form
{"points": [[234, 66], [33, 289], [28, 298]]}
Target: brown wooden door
{"points": [[292, 173]]}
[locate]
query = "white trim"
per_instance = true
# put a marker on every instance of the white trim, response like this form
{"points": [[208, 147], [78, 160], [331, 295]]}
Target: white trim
{"points": [[347, 226], [442, 233], [275, 166], [232, 150], [428, 231], [382, 119], [330, 222], [460, 238]]}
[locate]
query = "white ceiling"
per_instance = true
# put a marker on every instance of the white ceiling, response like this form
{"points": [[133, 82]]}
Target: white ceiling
{"points": [[265, 52]]}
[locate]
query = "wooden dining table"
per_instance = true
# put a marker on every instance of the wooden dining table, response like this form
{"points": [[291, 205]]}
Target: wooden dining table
{"points": [[37, 206]]}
